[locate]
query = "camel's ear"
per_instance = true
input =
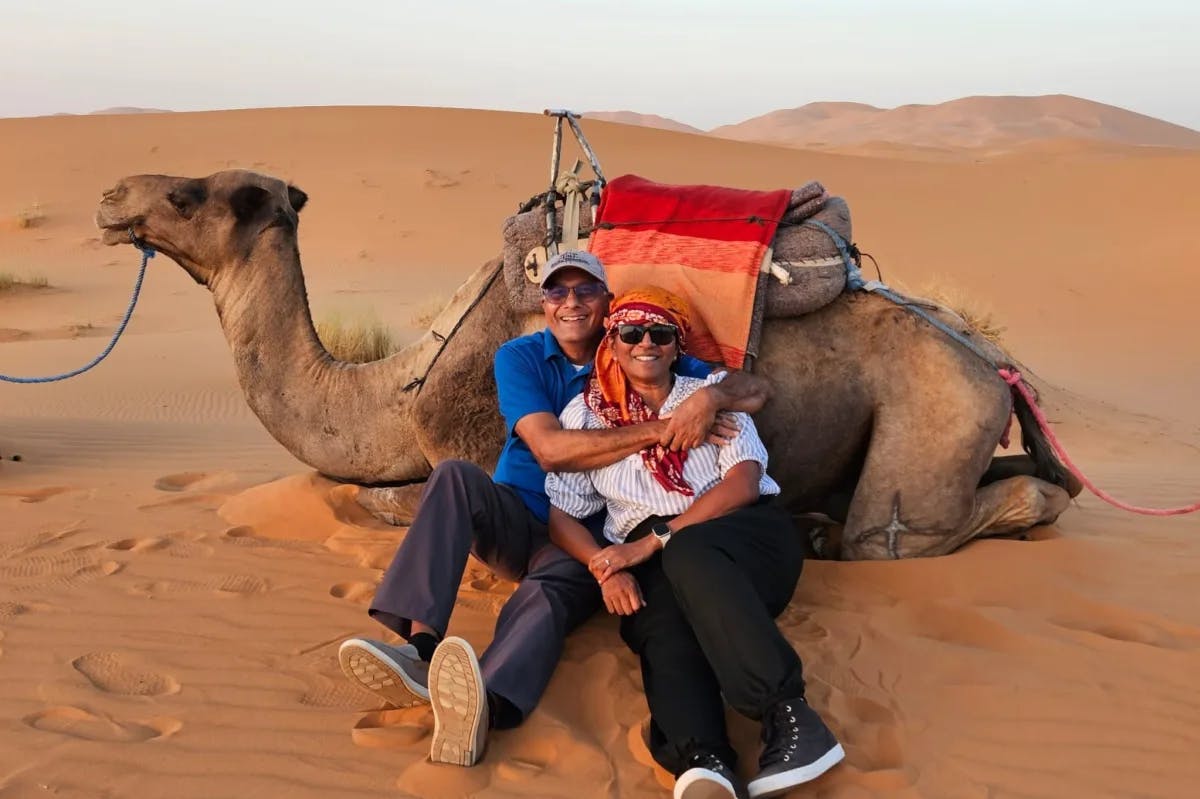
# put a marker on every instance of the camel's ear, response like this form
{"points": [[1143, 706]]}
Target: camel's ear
{"points": [[187, 197], [248, 201], [296, 197]]}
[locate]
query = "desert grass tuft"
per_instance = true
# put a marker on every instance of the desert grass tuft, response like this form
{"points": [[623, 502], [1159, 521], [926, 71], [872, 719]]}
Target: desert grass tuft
{"points": [[9, 282], [426, 311], [31, 216], [973, 311], [356, 339]]}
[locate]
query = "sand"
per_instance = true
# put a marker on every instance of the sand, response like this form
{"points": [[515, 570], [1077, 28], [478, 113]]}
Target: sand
{"points": [[173, 584]]}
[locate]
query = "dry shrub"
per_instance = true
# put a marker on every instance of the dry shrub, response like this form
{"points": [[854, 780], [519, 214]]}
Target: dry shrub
{"points": [[12, 282], [975, 313], [31, 216], [426, 311], [357, 339]]}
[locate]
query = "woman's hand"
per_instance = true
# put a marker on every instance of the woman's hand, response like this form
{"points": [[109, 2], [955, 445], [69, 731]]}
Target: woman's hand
{"points": [[618, 557], [622, 594]]}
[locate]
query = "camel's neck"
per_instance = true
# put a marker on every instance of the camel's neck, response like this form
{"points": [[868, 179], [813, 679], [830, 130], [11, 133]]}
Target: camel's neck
{"points": [[345, 420]]}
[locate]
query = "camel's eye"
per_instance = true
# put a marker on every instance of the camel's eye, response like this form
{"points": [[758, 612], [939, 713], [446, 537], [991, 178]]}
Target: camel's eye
{"points": [[187, 197]]}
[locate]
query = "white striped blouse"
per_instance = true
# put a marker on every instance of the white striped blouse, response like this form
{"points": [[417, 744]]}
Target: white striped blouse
{"points": [[627, 487]]}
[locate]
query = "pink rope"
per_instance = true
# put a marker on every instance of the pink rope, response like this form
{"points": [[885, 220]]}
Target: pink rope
{"points": [[1013, 378]]}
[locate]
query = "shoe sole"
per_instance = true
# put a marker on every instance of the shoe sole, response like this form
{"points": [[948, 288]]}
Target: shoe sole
{"points": [[459, 704], [778, 783], [371, 668], [703, 786]]}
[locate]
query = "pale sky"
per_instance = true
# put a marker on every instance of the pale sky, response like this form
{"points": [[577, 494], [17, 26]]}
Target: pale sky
{"points": [[698, 61]]}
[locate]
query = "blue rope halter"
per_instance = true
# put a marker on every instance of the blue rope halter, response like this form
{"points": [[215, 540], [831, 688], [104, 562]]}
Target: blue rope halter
{"points": [[147, 253]]}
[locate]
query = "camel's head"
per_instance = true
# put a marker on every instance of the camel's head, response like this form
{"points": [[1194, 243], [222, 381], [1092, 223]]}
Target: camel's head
{"points": [[203, 224]]}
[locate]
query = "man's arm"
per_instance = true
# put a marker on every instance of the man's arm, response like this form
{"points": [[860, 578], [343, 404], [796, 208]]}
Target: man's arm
{"points": [[691, 422], [559, 450]]}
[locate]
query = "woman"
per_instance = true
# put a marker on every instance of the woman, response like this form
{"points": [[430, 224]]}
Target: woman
{"points": [[701, 562]]}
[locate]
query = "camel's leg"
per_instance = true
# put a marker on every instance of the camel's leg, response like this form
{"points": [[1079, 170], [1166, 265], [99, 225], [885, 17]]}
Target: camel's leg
{"points": [[1006, 466], [1003, 508]]}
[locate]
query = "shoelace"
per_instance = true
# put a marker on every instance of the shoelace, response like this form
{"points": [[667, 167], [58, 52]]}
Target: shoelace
{"points": [[782, 735], [709, 761]]}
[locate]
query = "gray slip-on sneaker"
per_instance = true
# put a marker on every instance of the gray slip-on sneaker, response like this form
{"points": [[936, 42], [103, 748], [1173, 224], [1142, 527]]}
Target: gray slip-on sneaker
{"points": [[459, 701], [395, 674]]}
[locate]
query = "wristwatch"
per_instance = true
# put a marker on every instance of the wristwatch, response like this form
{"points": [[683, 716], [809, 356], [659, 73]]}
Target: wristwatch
{"points": [[662, 532]]}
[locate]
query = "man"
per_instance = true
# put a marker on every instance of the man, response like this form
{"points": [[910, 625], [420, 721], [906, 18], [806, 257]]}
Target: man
{"points": [[502, 520]]}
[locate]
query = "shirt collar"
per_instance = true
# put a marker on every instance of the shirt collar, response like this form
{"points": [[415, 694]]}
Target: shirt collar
{"points": [[551, 350]]}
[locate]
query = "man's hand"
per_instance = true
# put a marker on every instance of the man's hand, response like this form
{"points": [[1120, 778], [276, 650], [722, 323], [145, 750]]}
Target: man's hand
{"points": [[613, 559], [622, 595], [689, 424], [724, 428]]}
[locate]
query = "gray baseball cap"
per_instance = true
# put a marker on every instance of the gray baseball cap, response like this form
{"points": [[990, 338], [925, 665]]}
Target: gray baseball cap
{"points": [[575, 259]]}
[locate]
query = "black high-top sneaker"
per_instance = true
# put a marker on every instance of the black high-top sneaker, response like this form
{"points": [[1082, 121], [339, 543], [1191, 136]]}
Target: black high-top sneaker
{"points": [[709, 777], [797, 747]]}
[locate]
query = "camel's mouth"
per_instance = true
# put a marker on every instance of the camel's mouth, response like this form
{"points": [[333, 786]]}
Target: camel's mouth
{"points": [[115, 229], [115, 235]]}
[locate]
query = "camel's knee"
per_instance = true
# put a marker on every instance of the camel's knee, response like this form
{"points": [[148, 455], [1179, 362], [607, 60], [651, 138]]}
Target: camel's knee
{"points": [[898, 534]]}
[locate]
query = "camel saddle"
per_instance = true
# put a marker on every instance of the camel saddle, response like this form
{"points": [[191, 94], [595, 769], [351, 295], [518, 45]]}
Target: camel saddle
{"points": [[801, 272]]}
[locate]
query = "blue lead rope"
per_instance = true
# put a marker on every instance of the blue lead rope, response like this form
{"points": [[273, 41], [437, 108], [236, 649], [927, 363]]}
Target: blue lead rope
{"points": [[855, 282], [147, 254]]}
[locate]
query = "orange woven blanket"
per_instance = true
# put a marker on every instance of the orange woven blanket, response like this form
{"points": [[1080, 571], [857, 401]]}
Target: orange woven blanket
{"points": [[705, 243]]}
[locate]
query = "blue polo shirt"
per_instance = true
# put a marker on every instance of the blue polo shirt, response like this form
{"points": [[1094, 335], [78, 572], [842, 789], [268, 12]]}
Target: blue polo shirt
{"points": [[534, 376]]}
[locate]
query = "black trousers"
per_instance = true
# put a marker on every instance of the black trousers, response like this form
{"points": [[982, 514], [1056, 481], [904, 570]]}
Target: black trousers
{"points": [[464, 513], [708, 628]]}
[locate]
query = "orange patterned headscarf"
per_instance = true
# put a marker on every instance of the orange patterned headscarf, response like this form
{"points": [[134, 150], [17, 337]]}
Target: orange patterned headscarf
{"points": [[608, 393]]}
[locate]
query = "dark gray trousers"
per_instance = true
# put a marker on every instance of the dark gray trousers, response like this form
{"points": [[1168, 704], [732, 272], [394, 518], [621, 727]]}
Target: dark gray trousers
{"points": [[462, 512]]}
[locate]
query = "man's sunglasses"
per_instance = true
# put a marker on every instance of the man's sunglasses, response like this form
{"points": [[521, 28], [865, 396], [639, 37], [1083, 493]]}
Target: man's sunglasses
{"points": [[662, 335], [584, 292]]}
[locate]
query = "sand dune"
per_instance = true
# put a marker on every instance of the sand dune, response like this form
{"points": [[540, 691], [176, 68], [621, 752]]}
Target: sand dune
{"points": [[972, 122], [173, 585], [644, 120]]}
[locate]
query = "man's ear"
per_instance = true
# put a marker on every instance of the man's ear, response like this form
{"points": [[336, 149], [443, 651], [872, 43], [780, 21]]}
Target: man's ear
{"points": [[248, 201], [297, 198], [187, 197]]}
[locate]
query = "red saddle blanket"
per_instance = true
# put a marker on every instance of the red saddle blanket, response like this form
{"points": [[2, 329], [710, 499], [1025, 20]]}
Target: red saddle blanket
{"points": [[705, 243]]}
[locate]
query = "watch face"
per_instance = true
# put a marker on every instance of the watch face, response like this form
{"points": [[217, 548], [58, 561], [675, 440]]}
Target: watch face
{"points": [[661, 530]]}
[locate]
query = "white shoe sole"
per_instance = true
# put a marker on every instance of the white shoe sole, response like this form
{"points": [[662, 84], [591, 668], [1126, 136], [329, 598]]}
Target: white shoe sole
{"points": [[372, 668], [459, 704], [778, 783], [703, 784]]}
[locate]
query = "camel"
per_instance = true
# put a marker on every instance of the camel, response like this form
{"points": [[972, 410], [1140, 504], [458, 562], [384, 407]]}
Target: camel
{"points": [[878, 421]]}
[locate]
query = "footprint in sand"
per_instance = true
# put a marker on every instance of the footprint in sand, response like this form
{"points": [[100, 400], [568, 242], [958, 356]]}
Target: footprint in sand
{"points": [[138, 544], [358, 593], [65, 570], [185, 481], [78, 722], [35, 494], [395, 728], [246, 536], [9, 610], [115, 673], [230, 585]]}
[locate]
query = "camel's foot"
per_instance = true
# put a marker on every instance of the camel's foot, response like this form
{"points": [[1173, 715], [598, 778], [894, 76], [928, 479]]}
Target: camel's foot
{"points": [[1010, 507], [396, 505]]}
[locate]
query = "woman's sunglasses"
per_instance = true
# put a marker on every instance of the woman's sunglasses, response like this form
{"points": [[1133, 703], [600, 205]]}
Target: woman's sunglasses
{"points": [[584, 292], [662, 335]]}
